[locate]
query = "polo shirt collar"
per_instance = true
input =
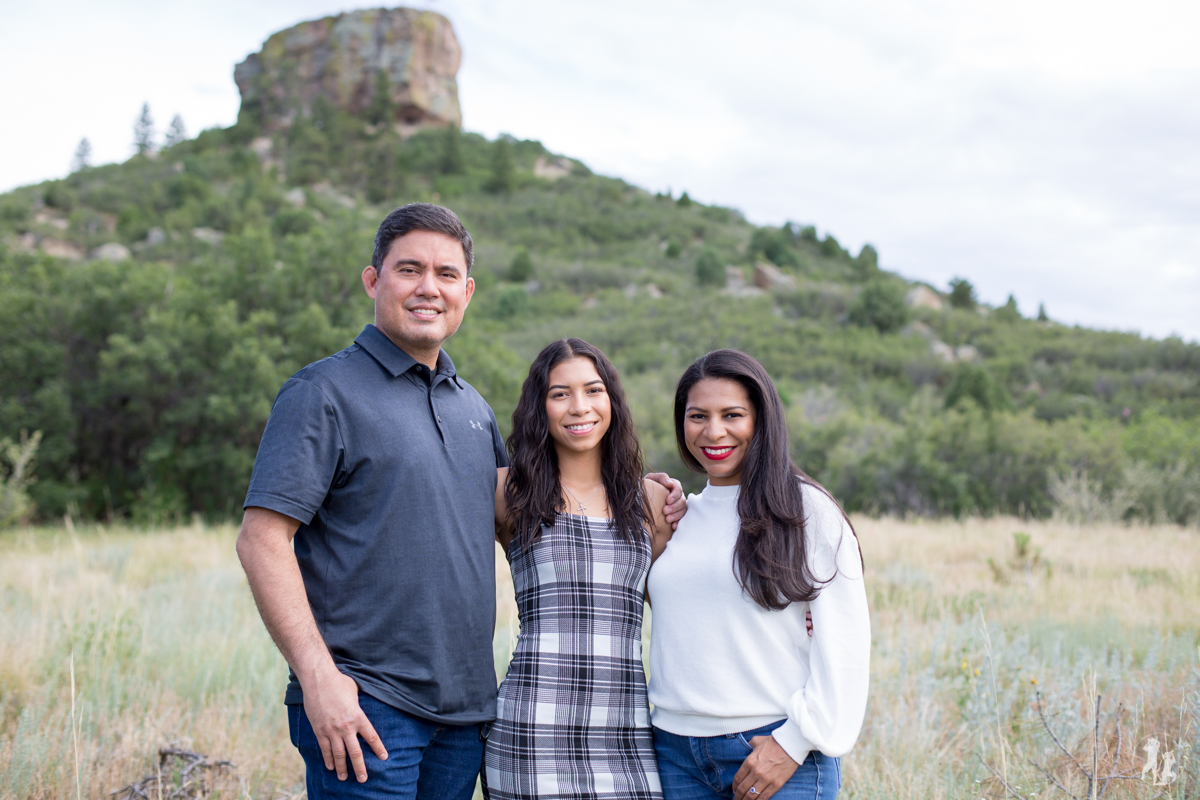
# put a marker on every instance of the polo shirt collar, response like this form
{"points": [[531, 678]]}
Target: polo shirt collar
{"points": [[395, 360]]}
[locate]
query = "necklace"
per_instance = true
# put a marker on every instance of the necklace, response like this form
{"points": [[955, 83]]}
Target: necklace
{"points": [[578, 502]]}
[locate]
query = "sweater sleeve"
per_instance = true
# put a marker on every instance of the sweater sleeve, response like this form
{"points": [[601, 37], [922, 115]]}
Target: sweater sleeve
{"points": [[826, 714]]}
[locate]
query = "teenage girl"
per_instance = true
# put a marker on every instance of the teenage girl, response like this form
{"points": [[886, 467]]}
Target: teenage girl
{"points": [[580, 527]]}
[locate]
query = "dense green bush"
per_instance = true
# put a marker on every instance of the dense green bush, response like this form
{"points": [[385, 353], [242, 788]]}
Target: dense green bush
{"points": [[976, 384], [709, 269], [775, 245], [521, 268], [880, 305]]}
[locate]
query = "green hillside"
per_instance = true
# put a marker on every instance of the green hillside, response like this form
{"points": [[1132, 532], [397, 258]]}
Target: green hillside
{"points": [[151, 377]]}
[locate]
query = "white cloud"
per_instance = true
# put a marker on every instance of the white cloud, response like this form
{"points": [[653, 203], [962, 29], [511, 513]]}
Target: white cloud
{"points": [[1036, 147]]}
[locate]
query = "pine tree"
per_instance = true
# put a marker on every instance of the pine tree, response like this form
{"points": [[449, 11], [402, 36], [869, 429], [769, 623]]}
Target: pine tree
{"points": [[962, 294], [143, 131], [500, 180], [452, 157], [866, 263], [1042, 315], [382, 109], [83, 156], [1008, 312], [176, 133]]}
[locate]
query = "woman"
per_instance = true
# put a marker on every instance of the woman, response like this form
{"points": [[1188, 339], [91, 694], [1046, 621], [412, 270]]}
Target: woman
{"points": [[761, 638], [580, 527]]}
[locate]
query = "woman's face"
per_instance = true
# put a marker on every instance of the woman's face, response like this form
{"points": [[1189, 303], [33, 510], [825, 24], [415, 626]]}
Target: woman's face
{"points": [[577, 406], [718, 425]]}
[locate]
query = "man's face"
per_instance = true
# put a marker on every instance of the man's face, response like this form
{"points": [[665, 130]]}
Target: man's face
{"points": [[420, 292]]}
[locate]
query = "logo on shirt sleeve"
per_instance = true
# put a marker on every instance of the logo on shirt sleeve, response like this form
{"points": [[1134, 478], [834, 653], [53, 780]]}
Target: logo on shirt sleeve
{"points": [[477, 425]]}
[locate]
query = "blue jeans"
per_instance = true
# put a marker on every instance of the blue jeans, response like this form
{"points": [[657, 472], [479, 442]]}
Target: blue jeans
{"points": [[702, 767], [425, 760]]}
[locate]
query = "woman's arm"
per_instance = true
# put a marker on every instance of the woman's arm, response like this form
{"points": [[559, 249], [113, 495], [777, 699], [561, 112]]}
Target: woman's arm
{"points": [[825, 714], [660, 528], [503, 533]]}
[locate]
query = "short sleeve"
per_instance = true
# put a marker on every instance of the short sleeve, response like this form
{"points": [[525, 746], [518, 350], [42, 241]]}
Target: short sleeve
{"points": [[498, 442], [300, 455]]}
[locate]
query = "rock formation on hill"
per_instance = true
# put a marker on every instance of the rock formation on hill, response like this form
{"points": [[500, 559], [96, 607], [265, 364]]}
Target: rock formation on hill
{"points": [[342, 58]]}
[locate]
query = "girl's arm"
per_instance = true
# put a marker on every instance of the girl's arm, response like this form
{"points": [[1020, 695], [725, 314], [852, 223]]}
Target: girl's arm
{"points": [[503, 533], [660, 530]]}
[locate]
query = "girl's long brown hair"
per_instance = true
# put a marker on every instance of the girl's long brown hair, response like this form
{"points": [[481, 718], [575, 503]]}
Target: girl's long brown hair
{"points": [[770, 556], [532, 491]]}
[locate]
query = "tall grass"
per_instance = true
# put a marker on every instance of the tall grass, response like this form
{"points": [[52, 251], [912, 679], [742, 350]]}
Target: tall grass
{"points": [[970, 635]]}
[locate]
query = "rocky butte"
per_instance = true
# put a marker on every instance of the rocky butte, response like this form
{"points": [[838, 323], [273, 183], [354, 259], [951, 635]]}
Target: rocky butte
{"points": [[412, 54]]}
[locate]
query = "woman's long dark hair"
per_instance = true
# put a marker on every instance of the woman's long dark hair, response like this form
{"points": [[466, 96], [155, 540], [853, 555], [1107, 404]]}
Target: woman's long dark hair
{"points": [[770, 556], [532, 492]]}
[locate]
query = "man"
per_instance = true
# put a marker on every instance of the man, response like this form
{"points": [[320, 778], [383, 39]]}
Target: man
{"points": [[380, 462]]}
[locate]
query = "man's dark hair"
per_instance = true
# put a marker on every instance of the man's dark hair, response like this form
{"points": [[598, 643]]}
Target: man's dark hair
{"points": [[421, 217]]}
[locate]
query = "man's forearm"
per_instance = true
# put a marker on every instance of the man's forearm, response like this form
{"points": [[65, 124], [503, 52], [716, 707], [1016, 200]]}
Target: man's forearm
{"points": [[330, 698], [264, 548]]}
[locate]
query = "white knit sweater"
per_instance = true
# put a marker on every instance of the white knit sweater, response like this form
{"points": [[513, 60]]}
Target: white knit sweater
{"points": [[720, 663]]}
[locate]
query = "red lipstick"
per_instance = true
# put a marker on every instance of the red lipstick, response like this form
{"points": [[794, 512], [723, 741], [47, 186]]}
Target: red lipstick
{"points": [[715, 456]]}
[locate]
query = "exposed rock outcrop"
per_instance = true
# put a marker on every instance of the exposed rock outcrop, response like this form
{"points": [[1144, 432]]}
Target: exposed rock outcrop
{"points": [[341, 58]]}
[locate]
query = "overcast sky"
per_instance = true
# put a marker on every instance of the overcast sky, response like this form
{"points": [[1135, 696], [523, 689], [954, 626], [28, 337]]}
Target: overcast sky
{"points": [[1047, 149]]}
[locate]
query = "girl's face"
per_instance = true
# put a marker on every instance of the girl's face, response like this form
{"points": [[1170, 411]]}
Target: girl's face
{"points": [[718, 426], [578, 409]]}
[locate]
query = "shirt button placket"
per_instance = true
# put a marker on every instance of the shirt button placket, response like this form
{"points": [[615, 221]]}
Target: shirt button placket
{"points": [[436, 416]]}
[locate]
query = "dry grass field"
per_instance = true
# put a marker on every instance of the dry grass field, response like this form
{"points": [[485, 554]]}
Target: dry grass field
{"points": [[977, 630]]}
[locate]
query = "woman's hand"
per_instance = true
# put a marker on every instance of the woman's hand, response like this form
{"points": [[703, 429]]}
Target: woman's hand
{"points": [[676, 505], [765, 770]]}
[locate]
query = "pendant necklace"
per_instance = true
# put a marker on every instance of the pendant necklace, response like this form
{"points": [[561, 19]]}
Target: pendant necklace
{"points": [[578, 502]]}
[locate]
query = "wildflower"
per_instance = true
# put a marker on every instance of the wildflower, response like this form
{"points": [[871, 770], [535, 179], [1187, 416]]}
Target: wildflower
{"points": [[1033, 681], [977, 671]]}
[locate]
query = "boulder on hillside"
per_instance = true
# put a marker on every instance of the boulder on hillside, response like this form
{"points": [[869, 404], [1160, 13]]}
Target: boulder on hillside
{"points": [[111, 251], [921, 296], [963, 354], [552, 169], [341, 58], [966, 353], [30, 243], [942, 351], [769, 276], [735, 283], [208, 236]]}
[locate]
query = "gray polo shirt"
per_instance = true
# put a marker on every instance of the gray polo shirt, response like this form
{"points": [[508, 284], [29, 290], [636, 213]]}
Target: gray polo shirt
{"points": [[391, 471]]}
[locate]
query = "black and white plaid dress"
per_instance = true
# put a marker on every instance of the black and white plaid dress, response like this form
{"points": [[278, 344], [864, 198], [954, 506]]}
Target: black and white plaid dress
{"points": [[572, 718]]}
